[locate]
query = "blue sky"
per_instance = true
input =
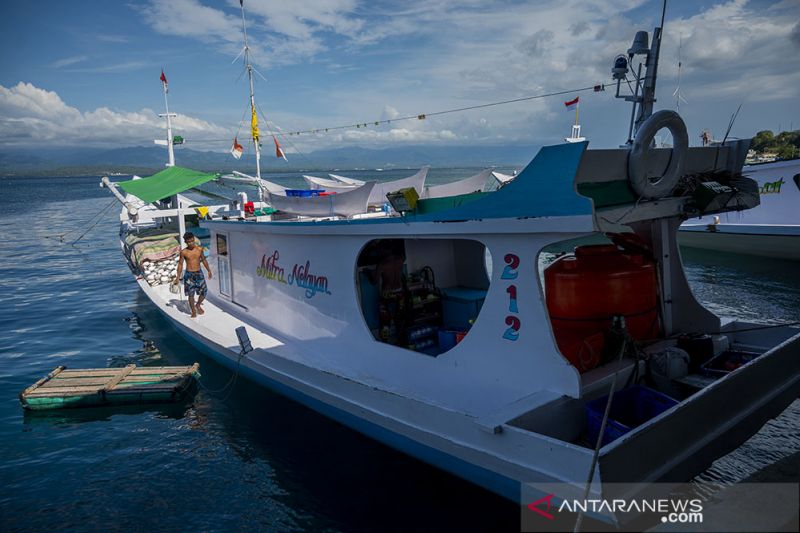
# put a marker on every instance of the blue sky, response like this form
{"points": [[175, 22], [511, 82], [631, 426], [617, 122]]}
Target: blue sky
{"points": [[86, 72]]}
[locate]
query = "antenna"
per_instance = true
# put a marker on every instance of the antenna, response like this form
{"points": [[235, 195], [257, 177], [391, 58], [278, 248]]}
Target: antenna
{"points": [[678, 94], [253, 116], [646, 84]]}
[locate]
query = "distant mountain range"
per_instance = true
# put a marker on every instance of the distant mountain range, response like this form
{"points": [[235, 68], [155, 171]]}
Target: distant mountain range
{"points": [[149, 159]]}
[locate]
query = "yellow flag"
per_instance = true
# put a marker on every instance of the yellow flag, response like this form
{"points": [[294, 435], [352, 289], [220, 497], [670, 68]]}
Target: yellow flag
{"points": [[254, 124], [202, 211]]}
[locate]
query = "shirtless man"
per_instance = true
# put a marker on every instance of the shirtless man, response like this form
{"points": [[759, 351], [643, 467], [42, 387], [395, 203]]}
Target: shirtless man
{"points": [[193, 280]]}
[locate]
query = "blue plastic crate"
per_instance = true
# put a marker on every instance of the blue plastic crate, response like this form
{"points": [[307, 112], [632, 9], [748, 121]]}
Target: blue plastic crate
{"points": [[460, 305], [303, 192], [630, 408]]}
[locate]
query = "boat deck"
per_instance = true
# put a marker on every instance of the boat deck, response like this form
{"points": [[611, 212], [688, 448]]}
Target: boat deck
{"points": [[109, 386]]}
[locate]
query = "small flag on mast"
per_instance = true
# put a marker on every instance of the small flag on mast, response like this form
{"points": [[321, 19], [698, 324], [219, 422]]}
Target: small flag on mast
{"points": [[163, 79], [572, 103], [278, 149], [237, 149]]}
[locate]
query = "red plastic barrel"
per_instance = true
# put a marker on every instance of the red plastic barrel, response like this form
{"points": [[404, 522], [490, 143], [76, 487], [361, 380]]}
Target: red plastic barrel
{"points": [[585, 290]]}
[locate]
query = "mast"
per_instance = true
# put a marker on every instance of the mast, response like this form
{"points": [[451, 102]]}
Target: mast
{"points": [[642, 102], [649, 87], [168, 116], [253, 114]]}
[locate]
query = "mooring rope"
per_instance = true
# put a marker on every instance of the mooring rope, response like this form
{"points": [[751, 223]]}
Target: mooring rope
{"points": [[61, 236], [230, 385], [99, 219]]}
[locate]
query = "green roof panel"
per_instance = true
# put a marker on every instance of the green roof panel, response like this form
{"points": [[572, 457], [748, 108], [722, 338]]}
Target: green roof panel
{"points": [[166, 183]]}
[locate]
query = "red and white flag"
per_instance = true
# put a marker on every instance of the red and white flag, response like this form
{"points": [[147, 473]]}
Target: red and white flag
{"points": [[237, 149], [278, 149], [572, 103]]}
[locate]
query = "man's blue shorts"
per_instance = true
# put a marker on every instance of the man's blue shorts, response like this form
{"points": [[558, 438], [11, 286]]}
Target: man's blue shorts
{"points": [[194, 283]]}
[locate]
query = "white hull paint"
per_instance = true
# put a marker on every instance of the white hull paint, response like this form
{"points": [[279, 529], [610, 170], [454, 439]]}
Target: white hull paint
{"points": [[729, 238], [495, 410]]}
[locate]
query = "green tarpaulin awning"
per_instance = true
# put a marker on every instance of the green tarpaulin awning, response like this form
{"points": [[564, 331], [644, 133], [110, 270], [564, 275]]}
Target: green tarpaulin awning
{"points": [[166, 183]]}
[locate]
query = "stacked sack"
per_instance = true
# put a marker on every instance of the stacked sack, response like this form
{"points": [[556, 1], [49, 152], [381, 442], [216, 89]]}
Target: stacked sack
{"points": [[158, 272]]}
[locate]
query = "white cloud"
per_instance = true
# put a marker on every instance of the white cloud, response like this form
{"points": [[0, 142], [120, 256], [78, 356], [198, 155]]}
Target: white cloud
{"points": [[476, 52], [67, 61], [281, 33], [31, 115]]}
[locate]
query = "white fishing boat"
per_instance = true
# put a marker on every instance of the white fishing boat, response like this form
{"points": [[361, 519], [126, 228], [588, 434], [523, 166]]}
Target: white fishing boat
{"points": [[346, 204], [503, 178], [331, 185], [379, 192], [770, 230], [395, 326], [350, 181], [483, 181]]}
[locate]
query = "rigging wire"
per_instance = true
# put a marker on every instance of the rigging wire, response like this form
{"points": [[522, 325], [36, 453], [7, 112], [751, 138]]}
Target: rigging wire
{"points": [[420, 116], [61, 236], [99, 219], [423, 116]]}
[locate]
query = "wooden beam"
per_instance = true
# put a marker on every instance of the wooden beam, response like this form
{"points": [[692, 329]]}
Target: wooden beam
{"points": [[119, 377], [45, 379]]}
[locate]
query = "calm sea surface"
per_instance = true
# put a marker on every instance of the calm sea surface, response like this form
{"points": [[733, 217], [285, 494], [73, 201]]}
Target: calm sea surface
{"points": [[253, 459]]}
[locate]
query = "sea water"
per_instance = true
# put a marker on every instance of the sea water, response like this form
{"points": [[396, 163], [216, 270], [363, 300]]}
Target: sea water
{"points": [[246, 458]]}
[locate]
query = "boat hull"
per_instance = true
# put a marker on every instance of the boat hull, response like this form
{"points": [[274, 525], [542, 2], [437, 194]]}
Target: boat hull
{"points": [[772, 229], [778, 242], [489, 460]]}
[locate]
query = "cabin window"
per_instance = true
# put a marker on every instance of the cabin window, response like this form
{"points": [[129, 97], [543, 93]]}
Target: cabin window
{"points": [[422, 294], [223, 265]]}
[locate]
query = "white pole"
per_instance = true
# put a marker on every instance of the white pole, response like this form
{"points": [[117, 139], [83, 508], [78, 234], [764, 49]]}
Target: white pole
{"points": [[170, 151], [249, 67]]}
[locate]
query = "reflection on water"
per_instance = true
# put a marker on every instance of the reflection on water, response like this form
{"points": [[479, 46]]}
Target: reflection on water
{"points": [[255, 459]]}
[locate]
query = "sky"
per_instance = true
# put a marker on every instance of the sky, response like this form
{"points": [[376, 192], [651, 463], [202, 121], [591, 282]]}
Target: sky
{"points": [[86, 72]]}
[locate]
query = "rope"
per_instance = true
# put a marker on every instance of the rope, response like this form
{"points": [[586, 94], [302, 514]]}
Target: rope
{"points": [[99, 219], [61, 236], [230, 385], [423, 116], [599, 443]]}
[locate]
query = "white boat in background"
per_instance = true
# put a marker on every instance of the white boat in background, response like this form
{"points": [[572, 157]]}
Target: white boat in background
{"points": [[316, 184], [349, 181], [394, 326], [503, 178], [481, 182], [770, 230], [484, 181], [379, 192], [344, 204]]}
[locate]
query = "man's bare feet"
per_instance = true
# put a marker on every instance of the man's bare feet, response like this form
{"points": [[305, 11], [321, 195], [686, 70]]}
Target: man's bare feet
{"points": [[194, 315], [200, 309]]}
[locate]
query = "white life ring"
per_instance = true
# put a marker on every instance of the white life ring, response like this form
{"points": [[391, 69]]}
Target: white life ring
{"points": [[643, 184]]}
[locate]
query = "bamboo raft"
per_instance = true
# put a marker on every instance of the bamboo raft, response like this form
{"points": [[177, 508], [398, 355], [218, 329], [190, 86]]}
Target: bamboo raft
{"points": [[93, 387]]}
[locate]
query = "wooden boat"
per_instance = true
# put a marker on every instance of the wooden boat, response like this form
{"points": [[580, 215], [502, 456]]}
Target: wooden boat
{"points": [[94, 387]]}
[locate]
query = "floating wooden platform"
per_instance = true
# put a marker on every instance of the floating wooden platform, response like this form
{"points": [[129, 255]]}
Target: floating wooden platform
{"points": [[90, 387]]}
